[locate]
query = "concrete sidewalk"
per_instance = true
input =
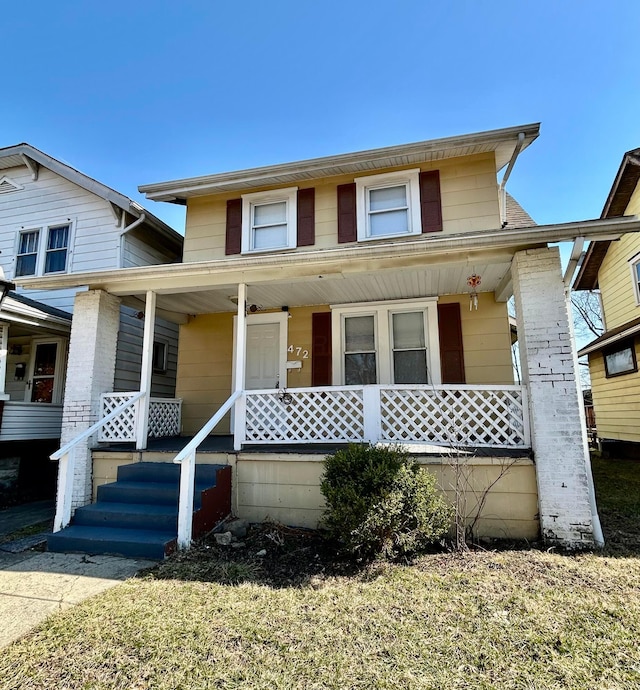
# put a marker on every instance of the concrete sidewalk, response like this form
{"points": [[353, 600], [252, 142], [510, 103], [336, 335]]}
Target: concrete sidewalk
{"points": [[34, 585]]}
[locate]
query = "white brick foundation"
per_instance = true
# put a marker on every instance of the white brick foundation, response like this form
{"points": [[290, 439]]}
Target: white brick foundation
{"points": [[90, 372], [548, 368]]}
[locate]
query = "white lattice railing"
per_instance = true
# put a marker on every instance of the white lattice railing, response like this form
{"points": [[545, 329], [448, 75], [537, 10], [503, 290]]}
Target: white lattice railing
{"points": [[452, 415], [164, 418]]}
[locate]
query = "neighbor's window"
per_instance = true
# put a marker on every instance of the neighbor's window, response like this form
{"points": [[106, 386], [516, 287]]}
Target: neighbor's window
{"points": [[635, 270], [268, 220], [388, 205], [359, 350], [160, 349], [27, 258], [621, 360], [57, 245]]}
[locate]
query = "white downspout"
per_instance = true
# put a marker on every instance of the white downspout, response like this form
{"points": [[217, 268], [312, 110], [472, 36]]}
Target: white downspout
{"points": [[502, 191], [576, 253]]}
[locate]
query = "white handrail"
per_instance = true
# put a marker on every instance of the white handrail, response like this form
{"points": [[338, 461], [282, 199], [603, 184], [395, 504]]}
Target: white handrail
{"points": [[187, 459], [92, 429], [66, 455]]}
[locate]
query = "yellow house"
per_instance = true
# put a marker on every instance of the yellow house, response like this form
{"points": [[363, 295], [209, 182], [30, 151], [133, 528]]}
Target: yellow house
{"points": [[614, 269], [360, 297]]}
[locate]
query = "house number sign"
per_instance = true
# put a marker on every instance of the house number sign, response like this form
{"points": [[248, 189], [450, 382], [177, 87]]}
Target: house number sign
{"points": [[299, 351]]}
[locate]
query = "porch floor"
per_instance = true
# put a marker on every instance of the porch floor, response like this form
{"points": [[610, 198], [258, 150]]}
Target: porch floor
{"points": [[224, 444]]}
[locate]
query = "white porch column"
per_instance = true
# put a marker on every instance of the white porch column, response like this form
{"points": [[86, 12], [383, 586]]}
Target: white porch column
{"points": [[546, 355], [4, 350], [239, 367], [146, 370], [92, 358]]}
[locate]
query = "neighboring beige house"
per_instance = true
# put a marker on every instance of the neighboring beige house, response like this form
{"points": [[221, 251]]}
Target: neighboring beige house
{"points": [[357, 297], [613, 267]]}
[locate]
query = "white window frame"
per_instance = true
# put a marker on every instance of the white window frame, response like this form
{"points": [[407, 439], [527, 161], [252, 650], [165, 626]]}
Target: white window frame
{"points": [[384, 351], [59, 376], [634, 265], [43, 240], [410, 178], [250, 201]]}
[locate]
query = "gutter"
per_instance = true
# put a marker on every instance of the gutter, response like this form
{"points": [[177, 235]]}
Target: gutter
{"points": [[502, 189], [422, 248]]}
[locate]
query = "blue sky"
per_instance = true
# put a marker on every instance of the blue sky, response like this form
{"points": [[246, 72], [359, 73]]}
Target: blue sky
{"points": [[139, 92]]}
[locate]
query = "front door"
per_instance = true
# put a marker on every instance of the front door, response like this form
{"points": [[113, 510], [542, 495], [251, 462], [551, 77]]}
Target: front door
{"points": [[263, 356], [46, 370]]}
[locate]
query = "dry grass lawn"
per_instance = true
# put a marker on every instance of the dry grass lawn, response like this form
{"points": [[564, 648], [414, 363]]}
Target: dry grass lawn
{"points": [[521, 618]]}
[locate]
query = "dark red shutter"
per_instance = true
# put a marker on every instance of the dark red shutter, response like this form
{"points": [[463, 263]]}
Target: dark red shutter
{"points": [[321, 349], [233, 244], [430, 203], [347, 230], [451, 351], [306, 217]]}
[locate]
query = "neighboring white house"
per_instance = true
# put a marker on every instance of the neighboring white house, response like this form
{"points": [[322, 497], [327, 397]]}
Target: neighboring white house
{"points": [[54, 220]]}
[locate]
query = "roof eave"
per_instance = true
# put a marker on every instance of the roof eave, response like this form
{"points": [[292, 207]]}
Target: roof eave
{"points": [[177, 190]]}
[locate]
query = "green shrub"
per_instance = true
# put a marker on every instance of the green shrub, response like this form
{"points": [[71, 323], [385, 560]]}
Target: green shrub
{"points": [[380, 503]]}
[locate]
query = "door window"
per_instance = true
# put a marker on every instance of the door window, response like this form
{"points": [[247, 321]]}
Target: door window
{"points": [[44, 372]]}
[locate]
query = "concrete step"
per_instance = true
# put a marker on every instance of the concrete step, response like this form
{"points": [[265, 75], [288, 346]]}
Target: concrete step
{"points": [[132, 543]]}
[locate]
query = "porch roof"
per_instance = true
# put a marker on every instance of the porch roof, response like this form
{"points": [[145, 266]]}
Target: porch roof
{"points": [[425, 266], [502, 142]]}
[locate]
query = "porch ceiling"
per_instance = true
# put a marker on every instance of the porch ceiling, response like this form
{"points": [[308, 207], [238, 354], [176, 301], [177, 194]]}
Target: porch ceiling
{"points": [[335, 288]]}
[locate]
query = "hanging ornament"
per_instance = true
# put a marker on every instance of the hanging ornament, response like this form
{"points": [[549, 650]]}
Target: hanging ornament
{"points": [[473, 281]]}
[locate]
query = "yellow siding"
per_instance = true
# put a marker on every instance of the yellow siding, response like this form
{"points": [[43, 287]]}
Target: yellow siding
{"points": [[615, 278], [486, 339], [616, 401], [469, 202], [286, 488]]}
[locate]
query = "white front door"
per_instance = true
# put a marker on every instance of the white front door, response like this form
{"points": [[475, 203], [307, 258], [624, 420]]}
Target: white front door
{"points": [[263, 356]]}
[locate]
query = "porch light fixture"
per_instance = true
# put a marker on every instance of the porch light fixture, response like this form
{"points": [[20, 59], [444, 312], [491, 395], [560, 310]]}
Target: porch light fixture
{"points": [[473, 281]]}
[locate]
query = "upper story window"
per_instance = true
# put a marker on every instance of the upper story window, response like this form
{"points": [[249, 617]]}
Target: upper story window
{"points": [[268, 220], [27, 257], [388, 205], [43, 250], [635, 276]]}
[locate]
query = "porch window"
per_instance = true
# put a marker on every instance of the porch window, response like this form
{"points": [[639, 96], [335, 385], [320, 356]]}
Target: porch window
{"points": [[388, 205], [27, 257], [268, 220], [359, 350], [57, 245], [409, 347], [394, 342]]}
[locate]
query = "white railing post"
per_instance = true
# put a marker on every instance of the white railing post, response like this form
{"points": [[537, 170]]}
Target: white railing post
{"points": [[185, 504], [187, 458], [526, 422], [64, 496], [240, 423], [371, 411]]}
